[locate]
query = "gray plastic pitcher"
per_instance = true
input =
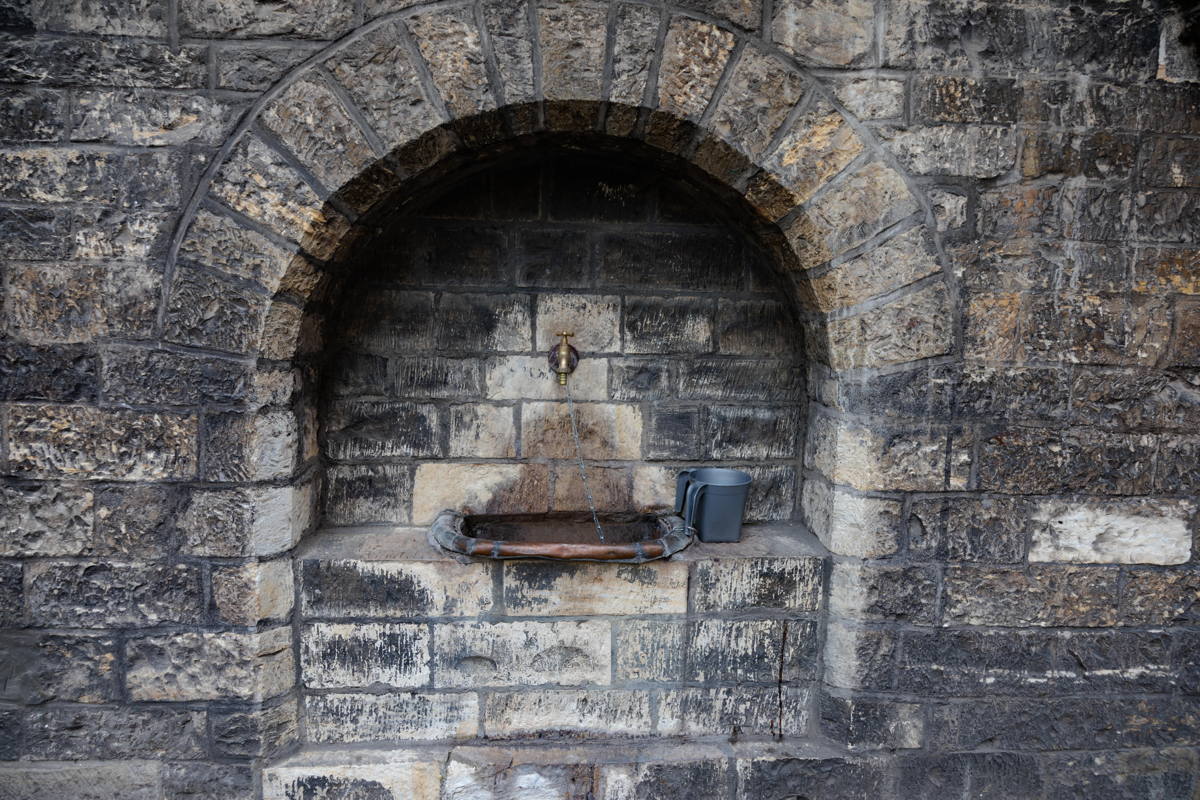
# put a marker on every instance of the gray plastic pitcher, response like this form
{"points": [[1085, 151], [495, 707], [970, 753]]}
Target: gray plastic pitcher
{"points": [[713, 501]]}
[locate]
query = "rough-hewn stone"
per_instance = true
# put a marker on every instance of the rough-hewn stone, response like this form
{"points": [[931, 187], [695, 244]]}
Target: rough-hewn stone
{"points": [[610, 712], [209, 666], [693, 57], [730, 584], [449, 41]]}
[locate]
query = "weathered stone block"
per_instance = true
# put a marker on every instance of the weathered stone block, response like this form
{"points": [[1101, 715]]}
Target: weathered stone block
{"points": [[537, 589], [733, 712], [449, 41], [343, 718], [531, 378], [411, 780], [358, 654], [341, 589], [508, 28], [672, 433], [850, 524], [250, 593], [217, 241], [210, 666], [470, 654], [45, 520], [75, 734], [859, 657], [702, 780], [42, 668], [113, 594], [1046, 461], [208, 781], [757, 98], [160, 377], [207, 311], [634, 47], [366, 430], [12, 600], [730, 584], [944, 98], [827, 778], [741, 432], [84, 780], [910, 328], [978, 151], [826, 32], [229, 523], [750, 651], [884, 593], [668, 325], [871, 98], [479, 489], [864, 723], [884, 460], [32, 115], [863, 204], [755, 327], [602, 712], [254, 731], [693, 59], [120, 178], [482, 431], [433, 378], [305, 19], [572, 52], [634, 379], [55, 304], [1040, 595], [740, 379], [608, 486], [1120, 775], [672, 260], [596, 320], [83, 61], [649, 650], [969, 529], [1152, 597], [1113, 532], [141, 118], [607, 431]]}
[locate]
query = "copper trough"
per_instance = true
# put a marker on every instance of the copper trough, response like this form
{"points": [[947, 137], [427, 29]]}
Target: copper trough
{"points": [[561, 536]]}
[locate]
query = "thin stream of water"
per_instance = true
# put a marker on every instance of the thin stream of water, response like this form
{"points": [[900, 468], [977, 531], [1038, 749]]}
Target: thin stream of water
{"points": [[587, 490]]}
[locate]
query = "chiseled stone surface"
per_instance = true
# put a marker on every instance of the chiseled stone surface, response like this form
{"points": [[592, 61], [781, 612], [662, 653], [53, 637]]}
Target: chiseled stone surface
{"points": [[478, 488], [342, 588], [532, 588], [850, 524], [449, 41], [693, 57], [336, 718], [566, 653], [250, 593], [871, 460], [572, 49], [708, 712], [606, 430], [893, 264], [634, 46], [782, 583], [46, 520], [209, 666], [1041, 595], [1113, 532], [85, 780], [599, 712], [819, 144], [343, 655], [759, 95], [417, 780], [826, 32]]}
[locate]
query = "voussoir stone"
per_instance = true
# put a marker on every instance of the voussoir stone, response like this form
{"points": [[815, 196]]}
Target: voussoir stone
{"points": [[819, 144], [449, 40], [907, 329], [757, 98], [572, 50], [694, 56]]}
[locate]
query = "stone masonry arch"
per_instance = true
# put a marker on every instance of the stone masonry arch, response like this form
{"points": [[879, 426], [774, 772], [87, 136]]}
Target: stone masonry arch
{"points": [[254, 257]]}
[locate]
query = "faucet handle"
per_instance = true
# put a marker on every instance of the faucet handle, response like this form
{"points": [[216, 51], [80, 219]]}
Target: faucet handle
{"points": [[564, 336]]}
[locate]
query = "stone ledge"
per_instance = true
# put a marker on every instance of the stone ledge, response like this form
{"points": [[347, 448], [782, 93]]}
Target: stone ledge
{"points": [[409, 543]]}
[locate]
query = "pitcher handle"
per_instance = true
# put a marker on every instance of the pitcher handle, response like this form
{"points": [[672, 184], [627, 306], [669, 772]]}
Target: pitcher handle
{"points": [[681, 485], [694, 492]]}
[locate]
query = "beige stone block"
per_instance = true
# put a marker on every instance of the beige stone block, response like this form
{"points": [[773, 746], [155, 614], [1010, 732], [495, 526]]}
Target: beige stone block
{"points": [[346, 718], [350, 588], [595, 321], [449, 41], [874, 197], [871, 460], [483, 431], [45, 520], [210, 666], [609, 487], [604, 712], [650, 650], [819, 145], [418, 779], [248, 593], [532, 588], [849, 524], [749, 710], [730, 584], [895, 263], [470, 654], [340, 655], [479, 489], [872, 98], [910, 328], [654, 488], [1118, 531], [694, 57], [828, 32], [607, 431], [531, 378], [572, 52]]}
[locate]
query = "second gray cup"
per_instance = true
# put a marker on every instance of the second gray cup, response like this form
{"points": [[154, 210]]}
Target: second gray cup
{"points": [[713, 501]]}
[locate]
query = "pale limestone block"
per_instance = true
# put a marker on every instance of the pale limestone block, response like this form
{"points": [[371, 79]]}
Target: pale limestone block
{"points": [[339, 655], [851, 525], [479, 488], [482, 431], [893, 264], [532, 588], [210, 666], [872, 98], [694, 56], [869, 460], [248, 593], [337, 718], [412, 780], [1119, 531], [527, 653], [607, 431], [711, 712], [595, 321], [611, 712], [827, 32], [654, 488], [531, 378]]}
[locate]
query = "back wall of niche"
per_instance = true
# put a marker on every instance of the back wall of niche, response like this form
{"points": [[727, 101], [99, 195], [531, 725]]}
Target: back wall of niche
{"points": [[438, 391]]}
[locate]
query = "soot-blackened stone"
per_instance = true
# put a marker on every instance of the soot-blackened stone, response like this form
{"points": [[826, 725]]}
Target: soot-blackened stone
{"points": [[817, 778], [556, 258], [184, 780], [57, 374], [672, 434]]}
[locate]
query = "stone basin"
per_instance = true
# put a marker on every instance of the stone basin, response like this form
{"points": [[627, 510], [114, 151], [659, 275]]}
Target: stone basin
{"points": [[629, 537]]}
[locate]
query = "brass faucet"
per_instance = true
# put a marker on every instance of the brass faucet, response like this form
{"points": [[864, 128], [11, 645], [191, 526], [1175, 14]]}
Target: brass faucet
{"points": [[564, 357]]}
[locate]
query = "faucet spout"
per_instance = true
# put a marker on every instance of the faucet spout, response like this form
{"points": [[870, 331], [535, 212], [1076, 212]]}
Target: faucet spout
{"points": [[563, 357]]}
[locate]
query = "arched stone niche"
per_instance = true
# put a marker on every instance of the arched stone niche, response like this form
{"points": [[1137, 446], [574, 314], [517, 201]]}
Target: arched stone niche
{"points": [[414, 94]]}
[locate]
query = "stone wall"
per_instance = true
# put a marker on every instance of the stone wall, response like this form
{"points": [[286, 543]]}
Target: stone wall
{"points": [[440, 395], [986, 212]]}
